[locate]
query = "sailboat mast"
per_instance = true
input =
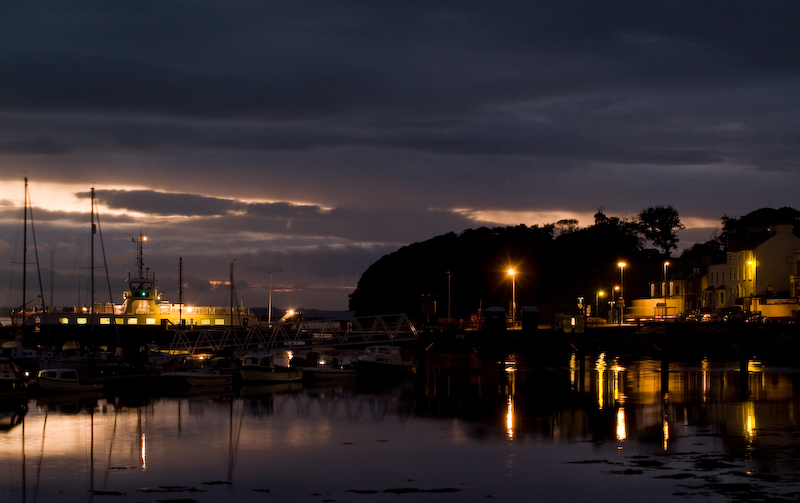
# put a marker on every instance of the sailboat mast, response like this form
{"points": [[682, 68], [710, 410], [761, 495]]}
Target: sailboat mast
{"points": [[180, 291], [24, 250], [94, 230]]}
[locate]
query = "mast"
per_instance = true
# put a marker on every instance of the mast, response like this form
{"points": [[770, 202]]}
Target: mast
{"points": [[24, 250], [94, 230], [269, 307], [180, 291], [233, 292]]}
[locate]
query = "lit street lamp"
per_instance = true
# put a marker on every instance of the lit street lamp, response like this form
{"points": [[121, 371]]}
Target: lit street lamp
{"points": [[621, 266], [597, 303], [513, 274]]}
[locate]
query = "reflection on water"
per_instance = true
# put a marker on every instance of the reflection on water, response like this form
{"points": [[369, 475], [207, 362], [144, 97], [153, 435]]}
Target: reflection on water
{"points": [[466, 428]]}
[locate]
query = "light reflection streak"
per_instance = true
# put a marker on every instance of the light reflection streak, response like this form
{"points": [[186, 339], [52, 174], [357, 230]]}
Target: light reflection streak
{"points": [[510, 418], [704, 366], [573, 370], [665, 421], [144, 451], [749, 413], [600, 367], [621, 428]]}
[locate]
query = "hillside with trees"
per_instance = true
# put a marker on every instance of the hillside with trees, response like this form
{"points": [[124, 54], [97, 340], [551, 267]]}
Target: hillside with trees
{"points": [[555, 263]]}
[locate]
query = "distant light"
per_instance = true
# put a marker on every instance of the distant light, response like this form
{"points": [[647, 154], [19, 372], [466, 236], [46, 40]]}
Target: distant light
{"points": [[512, 272], [621, 264]]}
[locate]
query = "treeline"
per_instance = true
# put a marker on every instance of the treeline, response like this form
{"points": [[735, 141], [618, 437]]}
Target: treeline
{"points": [[555, 263]]}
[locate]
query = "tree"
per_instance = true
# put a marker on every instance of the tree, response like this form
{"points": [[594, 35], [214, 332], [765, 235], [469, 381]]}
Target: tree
{"points": [[660, 225]]}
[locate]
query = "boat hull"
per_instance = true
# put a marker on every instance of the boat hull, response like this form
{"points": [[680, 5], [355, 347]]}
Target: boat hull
{"points": [[258, 374], [193, 379], [67, 380]]}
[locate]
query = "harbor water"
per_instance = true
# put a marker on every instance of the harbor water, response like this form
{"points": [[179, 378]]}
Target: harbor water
{"points": [[466, 427]]}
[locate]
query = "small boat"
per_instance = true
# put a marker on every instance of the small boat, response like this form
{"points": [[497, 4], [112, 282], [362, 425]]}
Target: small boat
{"points": [[68, 379], [327, 365], [13, 381], [196, 377], [268, 366], [383, 361]]}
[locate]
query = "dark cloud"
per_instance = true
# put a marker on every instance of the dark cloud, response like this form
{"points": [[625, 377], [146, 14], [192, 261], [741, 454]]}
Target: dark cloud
{"points": [[249, 126]]}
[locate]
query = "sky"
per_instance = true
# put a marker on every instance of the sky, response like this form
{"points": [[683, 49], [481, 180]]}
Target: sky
{"points": [[301, 141]]}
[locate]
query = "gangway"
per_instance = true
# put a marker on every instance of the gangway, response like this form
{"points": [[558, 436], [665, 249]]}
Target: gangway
{"points": [[338, 332]]}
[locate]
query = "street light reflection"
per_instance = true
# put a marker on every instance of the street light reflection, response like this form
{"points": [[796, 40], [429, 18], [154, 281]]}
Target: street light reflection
{"points": [[144, 451], [600, 367], [621, 429]]}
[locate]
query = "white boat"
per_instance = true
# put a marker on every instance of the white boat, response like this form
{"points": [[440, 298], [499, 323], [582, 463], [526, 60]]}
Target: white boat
{"points": [[269, 366], [383, 361], [196, 377], [66, 379], [327, 365]]}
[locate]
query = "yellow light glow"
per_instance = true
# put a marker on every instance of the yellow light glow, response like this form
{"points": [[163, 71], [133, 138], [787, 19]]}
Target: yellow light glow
{"points": [[512, 272], [621, 264], [622, 433], [510, 418], [600, 367], [749, 412], [144, 451]]}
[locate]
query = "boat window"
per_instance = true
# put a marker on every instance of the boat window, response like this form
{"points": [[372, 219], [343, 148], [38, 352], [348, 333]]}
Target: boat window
{"points": [[51, 375], [150, 321], [70, 374], [251, 361], [133, 321]]}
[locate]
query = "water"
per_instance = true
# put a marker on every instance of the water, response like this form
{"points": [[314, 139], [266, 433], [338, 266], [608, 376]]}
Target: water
{"points": [[566, 428]]}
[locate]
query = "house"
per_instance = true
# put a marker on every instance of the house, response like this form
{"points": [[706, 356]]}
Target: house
{"points": [[760, 275]]}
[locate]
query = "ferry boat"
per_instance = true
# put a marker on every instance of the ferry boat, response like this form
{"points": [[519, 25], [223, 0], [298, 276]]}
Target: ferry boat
{"points": [[142, 308]]}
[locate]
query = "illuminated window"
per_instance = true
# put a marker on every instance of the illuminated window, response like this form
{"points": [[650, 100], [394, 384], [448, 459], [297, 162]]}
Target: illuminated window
{"points": [[205, 321], [120, 321], [82, 321], [133, 321], [64, 321], [105, 321], [219, 321], [150, 321]]}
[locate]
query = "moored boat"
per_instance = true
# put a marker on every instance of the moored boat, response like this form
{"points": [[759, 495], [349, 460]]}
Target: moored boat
{"points": [[196, 377], [68, 379], [327, 365], [269, 366], [12, 380], [383, 361]]}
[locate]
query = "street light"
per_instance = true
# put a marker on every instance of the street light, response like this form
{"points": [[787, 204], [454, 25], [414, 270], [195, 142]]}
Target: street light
{"points": [[448, 296], [513, 274], [621, 266], [597, 303], [666, 287]]}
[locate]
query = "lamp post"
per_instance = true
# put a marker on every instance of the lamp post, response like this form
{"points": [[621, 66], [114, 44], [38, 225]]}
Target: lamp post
{"points": [[621, 266], [597, 303], [666, 288], [448, 296], [513, 273]]}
